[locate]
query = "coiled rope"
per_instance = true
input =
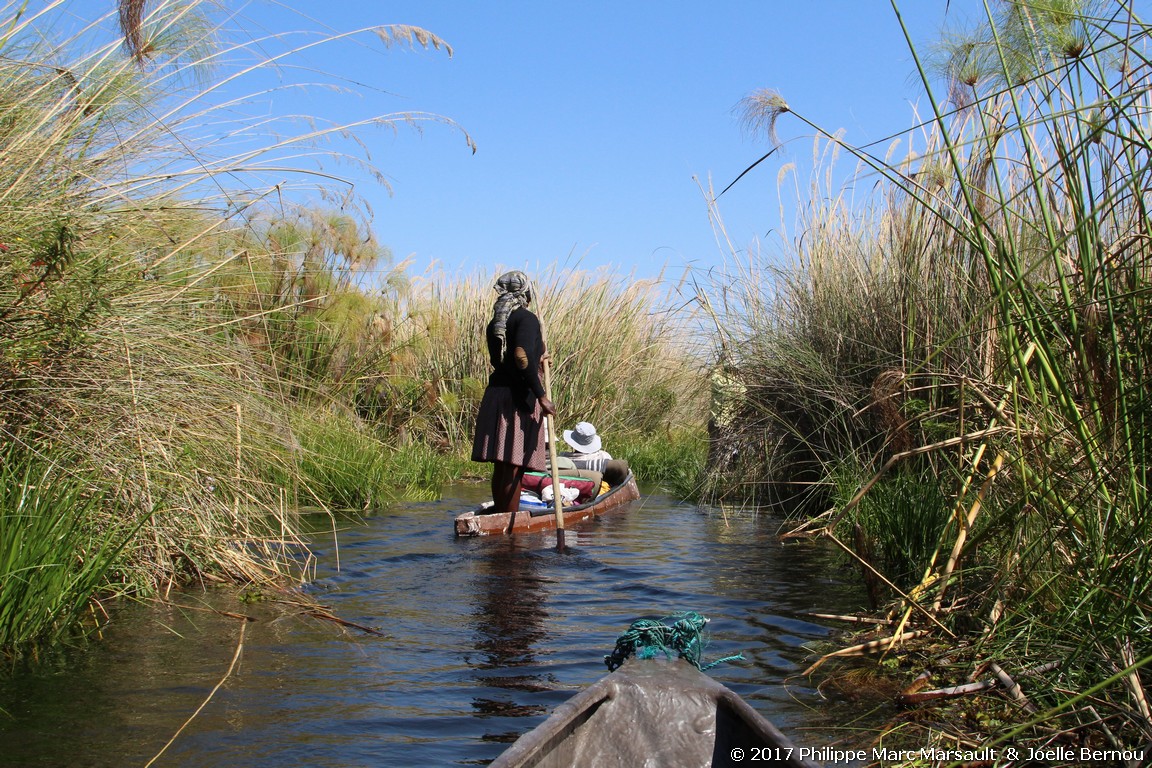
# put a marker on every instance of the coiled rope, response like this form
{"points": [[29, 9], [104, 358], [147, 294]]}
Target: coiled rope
{"points": [[682, 633]]}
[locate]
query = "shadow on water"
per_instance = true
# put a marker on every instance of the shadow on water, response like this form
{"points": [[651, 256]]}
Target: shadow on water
{"points": [[484, 637]]}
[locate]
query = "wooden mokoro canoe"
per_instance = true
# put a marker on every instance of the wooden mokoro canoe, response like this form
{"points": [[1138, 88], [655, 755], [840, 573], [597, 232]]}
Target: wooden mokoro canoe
{"points": [[654, 712], [475, 523]]}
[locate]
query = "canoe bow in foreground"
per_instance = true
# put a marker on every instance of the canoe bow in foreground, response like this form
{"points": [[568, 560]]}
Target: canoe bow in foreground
{"points": [[472, 523], [653, 712]]}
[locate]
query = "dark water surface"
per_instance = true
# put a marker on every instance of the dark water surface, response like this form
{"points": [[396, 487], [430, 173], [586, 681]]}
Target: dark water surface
{"points": [[485, 637]]}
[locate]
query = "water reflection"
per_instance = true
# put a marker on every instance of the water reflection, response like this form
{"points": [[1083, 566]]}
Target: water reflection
{"points": [[509, 622], [485, 638], [510, 613]]}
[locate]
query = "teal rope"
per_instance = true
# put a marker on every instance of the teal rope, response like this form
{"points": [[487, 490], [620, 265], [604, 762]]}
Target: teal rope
{"points": [[682, 633]]}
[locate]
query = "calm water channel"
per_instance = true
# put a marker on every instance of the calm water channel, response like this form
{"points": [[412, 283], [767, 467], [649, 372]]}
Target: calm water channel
{"points": [[485, 637]]}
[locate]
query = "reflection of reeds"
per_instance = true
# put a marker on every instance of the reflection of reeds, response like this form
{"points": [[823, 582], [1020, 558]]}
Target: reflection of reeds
{"points": [[1005, 274]]}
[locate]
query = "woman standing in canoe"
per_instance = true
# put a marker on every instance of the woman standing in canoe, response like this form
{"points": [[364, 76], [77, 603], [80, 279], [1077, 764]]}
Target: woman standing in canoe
{"points": [[509, 430]]}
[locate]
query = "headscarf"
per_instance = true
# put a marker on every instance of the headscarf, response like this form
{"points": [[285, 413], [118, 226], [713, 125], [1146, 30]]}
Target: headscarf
{"points": [[512, 292]]}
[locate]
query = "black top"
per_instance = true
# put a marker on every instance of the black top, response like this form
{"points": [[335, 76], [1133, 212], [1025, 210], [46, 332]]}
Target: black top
{"points": [[523, 331]]}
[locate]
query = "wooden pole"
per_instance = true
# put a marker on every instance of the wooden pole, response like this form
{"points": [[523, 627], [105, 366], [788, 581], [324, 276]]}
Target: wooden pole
{"points": [[553, 434]]}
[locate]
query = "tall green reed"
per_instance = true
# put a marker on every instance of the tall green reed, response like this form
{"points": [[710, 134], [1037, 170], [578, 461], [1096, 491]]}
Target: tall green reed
{"points": [[128, 185], [54, 553], [1029, 202]]}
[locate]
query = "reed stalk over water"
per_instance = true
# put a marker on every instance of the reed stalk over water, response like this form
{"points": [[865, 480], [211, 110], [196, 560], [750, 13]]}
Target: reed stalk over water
{"points": [[963, 365]]}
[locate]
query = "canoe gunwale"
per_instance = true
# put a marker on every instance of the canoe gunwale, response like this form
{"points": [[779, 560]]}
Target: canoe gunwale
{"points": [[471, 523]]}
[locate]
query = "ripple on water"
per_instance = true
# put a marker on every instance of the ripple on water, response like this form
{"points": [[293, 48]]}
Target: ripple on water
{"points": [[485, 637]]}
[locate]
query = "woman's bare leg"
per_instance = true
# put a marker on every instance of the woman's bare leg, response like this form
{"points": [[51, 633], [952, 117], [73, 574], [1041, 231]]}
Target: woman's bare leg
{"points": [[506, 481]]}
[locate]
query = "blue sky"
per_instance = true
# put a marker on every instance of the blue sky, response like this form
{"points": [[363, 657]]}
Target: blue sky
{"points": [[594, 122]]}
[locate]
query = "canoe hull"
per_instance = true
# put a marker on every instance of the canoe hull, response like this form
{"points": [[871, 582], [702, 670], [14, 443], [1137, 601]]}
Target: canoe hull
{"points": [[652, 712], [472, 523]]}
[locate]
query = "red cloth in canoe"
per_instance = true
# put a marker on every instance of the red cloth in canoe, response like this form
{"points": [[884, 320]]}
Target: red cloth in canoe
{"points": [[538, 481]]}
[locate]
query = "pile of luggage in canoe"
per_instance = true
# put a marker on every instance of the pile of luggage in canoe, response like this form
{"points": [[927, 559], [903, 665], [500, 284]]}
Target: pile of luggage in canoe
{"points": [[593, 497], [578, 486], [591, 482]]}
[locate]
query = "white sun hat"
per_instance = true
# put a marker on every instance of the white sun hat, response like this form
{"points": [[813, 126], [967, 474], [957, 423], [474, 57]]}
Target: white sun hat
{"points": [[583, 438]]}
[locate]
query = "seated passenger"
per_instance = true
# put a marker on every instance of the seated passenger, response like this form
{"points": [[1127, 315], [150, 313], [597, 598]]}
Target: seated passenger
{"points": [[568, 467], [587, 454]]}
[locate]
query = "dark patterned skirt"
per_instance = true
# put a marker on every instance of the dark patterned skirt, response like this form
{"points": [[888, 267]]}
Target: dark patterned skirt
{"points": [[507, 433]]}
